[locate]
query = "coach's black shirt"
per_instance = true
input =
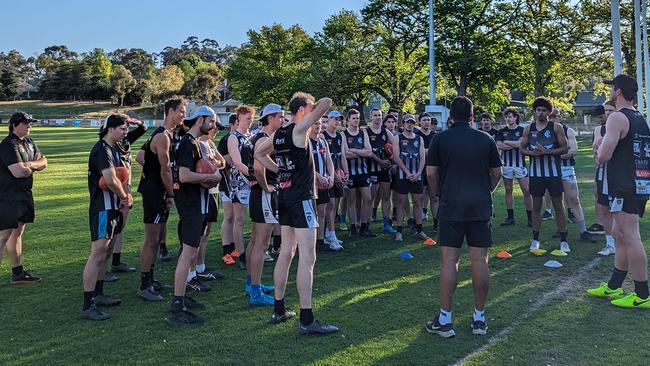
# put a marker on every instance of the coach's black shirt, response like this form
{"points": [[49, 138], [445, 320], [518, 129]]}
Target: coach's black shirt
{"points": [[464, 157], [190, 198], [13, 150], [103, 156]]}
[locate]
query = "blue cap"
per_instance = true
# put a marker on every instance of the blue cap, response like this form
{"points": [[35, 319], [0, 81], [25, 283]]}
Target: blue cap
{"points": [[205, 111], [334, 114], [271, 108]]}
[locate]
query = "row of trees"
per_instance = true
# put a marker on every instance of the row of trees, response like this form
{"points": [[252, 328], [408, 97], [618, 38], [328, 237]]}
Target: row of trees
{"points": [[484, 49]]}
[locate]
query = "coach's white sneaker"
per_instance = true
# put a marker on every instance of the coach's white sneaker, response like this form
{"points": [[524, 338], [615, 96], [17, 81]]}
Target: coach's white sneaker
{"points": [[607, 250], [534, 245], [398, 237], [564, 246]]}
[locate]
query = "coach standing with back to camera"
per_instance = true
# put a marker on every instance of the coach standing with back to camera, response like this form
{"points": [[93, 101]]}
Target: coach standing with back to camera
{"points": [[19, 159]]}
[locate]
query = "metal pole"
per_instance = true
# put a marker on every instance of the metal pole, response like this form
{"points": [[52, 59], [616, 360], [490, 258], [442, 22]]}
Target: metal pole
{"points": [[638, 49], [432, 59], [646, 61], [616, 37]]}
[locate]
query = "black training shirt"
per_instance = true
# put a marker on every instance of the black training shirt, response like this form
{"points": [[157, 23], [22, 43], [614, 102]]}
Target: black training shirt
{"points": [[13, 150], [464, 157], [102, 156], [190, 198]]}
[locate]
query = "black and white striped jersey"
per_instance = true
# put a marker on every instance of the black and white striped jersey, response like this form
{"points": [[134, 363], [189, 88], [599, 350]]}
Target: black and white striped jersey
{"points": [[571, 161], [511, 158], [319, 152], [335, 144], [377, 142], [409, 153], [544, 165], [356, 166]]}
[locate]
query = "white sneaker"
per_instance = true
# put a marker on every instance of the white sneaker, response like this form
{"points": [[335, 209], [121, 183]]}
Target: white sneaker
{"points": [[423, 236], [534, 245], [268, 258], [564, 246], [335, 246], [334, 238], [607, 250], [398, 237]]}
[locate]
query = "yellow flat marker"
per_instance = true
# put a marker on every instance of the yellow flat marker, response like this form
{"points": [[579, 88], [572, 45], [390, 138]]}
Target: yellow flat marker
{"points": [[538, 252]]}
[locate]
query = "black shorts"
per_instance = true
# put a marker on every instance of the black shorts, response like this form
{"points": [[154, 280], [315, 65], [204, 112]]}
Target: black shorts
{"points": [[405, 186], [380, 176], [191, 228], [323, 197], [213, 208], [155, 210], [335, 192], [263, 207], [632, 206], [453, 233], [105, 224], [299, 215], [538, 186], [359, 181], [13, 212]]}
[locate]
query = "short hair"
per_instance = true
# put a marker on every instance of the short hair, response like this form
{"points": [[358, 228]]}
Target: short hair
{"points": [[611, 103], [461, 109], [393, 110], [627, 85], [486, 115], [174, 102], [232, 119], [112, 121], [298, 100], [422, 115], [543, 102], [374, 109], [514, 113], [387, 117], [352, 112], [244, 109]]}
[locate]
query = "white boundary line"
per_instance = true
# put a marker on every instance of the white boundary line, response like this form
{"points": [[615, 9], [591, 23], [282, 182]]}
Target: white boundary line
{"points": [[548, 297]]}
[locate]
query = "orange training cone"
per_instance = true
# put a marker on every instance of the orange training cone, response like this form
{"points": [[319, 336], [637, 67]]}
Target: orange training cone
{"points": [[504, 255]]}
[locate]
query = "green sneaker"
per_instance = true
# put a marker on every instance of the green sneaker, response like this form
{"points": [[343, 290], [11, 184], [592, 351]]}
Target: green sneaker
{"points": [[632, 301], [604, 291]]}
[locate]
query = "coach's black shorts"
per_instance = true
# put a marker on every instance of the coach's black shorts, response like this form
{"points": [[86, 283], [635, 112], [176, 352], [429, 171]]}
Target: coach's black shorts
{"points": [[191, 228], [213, 208], [359, 181], [299, 215], [105, 224], [380, 176], [323, 197], [405, 186], [335, 192], [538, 186], [13, 212], [155, 210], [453, 233], [630, 205], [263, 206]]}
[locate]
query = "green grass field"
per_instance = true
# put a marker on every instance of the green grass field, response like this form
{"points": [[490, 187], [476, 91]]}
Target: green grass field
{"points": [[41, 109], [536, 315]]}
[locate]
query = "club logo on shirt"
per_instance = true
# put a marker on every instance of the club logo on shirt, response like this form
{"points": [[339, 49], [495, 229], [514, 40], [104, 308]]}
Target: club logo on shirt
{"points": [[547, 133], [416, 143], [360, 140], [517, 134]]}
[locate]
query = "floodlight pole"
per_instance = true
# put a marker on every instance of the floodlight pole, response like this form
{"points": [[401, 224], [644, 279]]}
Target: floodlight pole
{"points": [[616, 37], [646, 61], [638, 50], [432, 59]]}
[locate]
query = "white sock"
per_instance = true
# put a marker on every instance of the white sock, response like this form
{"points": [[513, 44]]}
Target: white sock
{"points": [[200, 268], [611, 242], [444, 317], [548, 210], [479, 315], [191, 275]]}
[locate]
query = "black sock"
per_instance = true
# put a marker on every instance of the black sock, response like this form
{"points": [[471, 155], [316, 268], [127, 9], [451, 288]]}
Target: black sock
{"points": [[398, 228], [529, 214], [320, 242], [88, 299], [511, 213], [225, 249], [306, 316], [435, 221], [144, 280], [277, 241], [278, 307], [394, 211], [641, 289], [99, 287], [563, 236], [231, 248], [364, 226], [151, 273], [617, 279], [536, 235], [117, 258], [242, 257], [425, 211], [353, 227], [418, 227], [568, 211], [163, 246], [17, 271], [374, 212], [178, 303]]}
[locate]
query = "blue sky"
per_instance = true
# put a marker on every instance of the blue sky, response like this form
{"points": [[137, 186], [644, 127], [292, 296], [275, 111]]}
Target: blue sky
{"points": [[31, 25]]}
